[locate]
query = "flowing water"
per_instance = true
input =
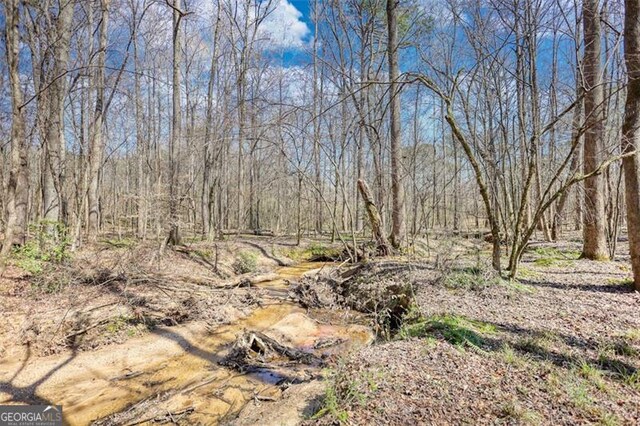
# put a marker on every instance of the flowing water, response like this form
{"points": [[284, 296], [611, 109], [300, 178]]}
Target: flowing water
{"points": [[174, 371]]}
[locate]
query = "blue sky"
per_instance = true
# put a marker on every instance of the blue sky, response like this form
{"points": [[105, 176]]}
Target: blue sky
{"points": [[292, 26]]}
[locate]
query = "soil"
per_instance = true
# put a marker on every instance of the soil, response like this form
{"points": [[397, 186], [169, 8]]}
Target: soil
{"points": [[560, 346], [129, 335], [108, 293], [178, 371]]}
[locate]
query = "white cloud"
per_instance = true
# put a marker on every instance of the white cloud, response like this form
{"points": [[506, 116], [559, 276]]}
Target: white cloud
{"points": [[284, 27]]}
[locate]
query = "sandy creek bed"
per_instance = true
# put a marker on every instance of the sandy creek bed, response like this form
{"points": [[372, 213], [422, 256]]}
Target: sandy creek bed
{"points": [[174, 371]]}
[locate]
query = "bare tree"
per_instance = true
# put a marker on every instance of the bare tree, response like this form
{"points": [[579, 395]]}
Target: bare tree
{"points": [[18, 183], [97, 146], [595, 243], [54, 200], [176, 128], [631, 133], [397, 192]]}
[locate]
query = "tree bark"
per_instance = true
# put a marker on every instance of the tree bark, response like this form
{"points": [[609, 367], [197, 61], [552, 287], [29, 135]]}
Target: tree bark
{"points": [[397, 193], [595, 242], [53, 194], [207, 190], [18, 183], [176, 128], [96, 151], [142, 139], [631, 133]]}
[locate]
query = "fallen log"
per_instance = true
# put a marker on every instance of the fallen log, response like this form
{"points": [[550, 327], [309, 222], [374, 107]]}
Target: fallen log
{"points": [[250, 280]]}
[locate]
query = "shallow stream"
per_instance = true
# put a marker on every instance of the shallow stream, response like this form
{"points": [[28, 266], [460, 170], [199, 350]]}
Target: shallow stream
{"points": [[174, 371]]}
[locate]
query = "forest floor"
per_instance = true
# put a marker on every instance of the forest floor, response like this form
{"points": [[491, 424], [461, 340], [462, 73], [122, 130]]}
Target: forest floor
{"points": [[561, 345], [117, 289]]}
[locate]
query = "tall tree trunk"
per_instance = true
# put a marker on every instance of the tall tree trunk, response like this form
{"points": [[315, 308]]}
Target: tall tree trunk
{"points": [[53, 194], [316, 126], [18, 183], [397, 192], [595, 242], [176, 128], [631, 133], [207, 189], [142, 143], [96, 152], [556, 228]]}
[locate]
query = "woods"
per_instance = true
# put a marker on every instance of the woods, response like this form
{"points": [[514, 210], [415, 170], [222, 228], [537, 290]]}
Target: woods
{"points": [[321, 211], [260, 119]]}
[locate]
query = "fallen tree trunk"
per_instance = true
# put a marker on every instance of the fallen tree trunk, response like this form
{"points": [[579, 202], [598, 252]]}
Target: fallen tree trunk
{"points": [[383, 246], [250, 281]]}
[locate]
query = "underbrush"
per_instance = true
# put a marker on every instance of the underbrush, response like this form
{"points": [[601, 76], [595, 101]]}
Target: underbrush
{"points": [[49, 246], [347, 388], [245, 262]]}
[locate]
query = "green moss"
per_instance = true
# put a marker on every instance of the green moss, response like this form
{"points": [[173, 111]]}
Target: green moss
{"points": [[623, 282], [117, 324]]}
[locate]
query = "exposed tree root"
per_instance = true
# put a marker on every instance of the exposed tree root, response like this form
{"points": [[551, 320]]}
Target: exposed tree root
{"points": [[254, 351]]}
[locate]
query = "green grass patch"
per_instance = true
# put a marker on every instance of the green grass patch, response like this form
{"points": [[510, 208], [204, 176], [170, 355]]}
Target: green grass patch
{"points": [[527, 273], [470, 278], [513, 410], [512, 357], [632, 335], [551, 256], [538, 344], [620, 370], [592, 374], [517, 286], [457, 330], [579, 394], [555, 253], [624, 282]]}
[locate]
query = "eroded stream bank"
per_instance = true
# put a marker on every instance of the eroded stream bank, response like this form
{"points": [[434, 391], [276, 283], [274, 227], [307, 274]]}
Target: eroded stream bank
{"points": [[173, 373]]}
